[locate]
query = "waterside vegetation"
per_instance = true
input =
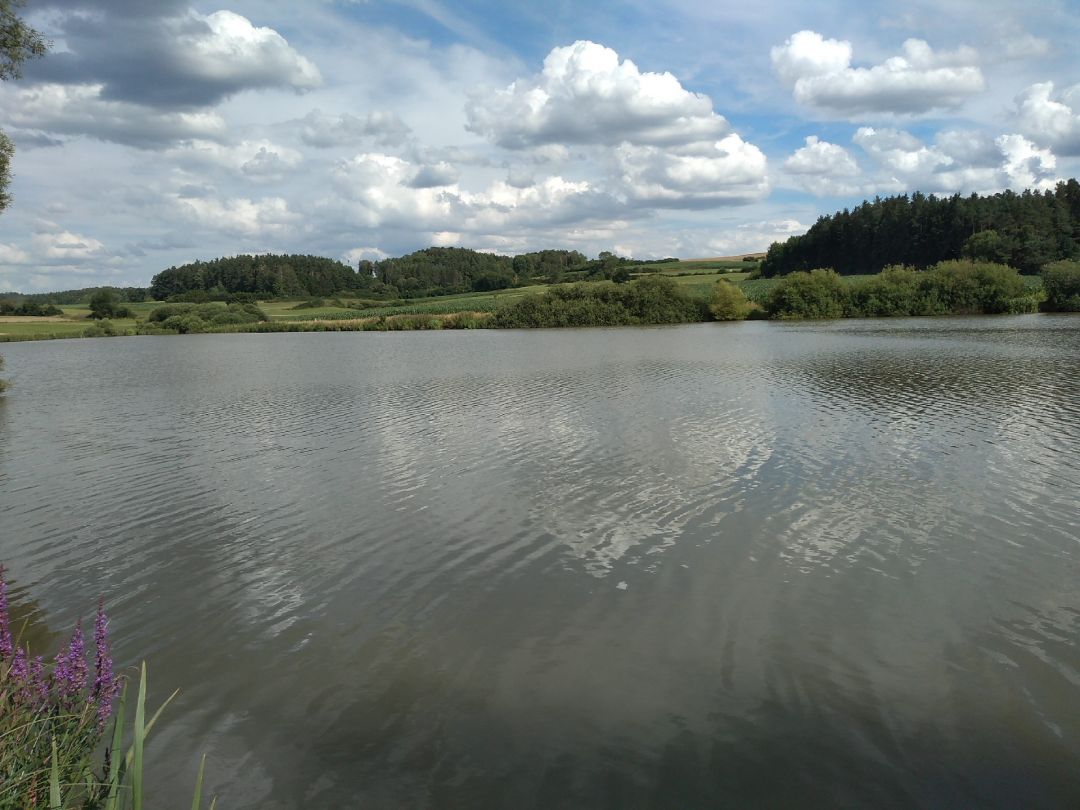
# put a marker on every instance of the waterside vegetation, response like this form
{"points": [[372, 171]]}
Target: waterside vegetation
{"points": [[948, 288], [927, 256], [56, 748]]}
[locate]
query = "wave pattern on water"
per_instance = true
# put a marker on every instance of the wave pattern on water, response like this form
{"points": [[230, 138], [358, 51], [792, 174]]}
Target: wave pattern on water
{"points": [[607, 567]]}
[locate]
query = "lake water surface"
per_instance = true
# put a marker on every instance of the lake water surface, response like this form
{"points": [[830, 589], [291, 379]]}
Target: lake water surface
{"points": [[724, 564]]}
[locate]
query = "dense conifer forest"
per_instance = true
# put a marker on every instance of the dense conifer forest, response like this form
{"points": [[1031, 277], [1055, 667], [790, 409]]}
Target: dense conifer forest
{"points": [[1025, 231]]}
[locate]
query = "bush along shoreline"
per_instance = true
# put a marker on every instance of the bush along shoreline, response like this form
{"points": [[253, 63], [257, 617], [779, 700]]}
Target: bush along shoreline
{"points": [[54, 752], [948, 288], [955, 287]]}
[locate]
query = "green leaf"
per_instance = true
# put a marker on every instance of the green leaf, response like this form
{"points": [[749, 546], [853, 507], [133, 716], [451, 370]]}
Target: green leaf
{"points": [[196, 802], [55, 802], [112, 801], [137, 745]]}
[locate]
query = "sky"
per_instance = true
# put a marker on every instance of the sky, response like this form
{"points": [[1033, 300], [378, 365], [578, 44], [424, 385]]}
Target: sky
{"points": [[158, 132]]}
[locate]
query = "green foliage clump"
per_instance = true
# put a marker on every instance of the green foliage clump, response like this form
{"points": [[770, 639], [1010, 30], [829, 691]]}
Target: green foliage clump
{"points": [[986, 246], [29, 307], [895, 291], [1061, 280], [104, 328], [105, 304], [729, 303], [83, 295], [444, 271], [549, 264], [979, 287], [948, 288], [193, 318], [269, 276], [650, 300], [816, 294]]}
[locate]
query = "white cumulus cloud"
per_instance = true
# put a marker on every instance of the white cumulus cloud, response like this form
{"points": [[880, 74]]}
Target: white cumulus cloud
{"points": [[1049, 118], [957, 162], [820, 74], [823, 168], [728, 171], [585, 95], [234, 52], [240, 216]]}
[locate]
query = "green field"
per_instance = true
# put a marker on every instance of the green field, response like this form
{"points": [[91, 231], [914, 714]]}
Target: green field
{"points": [[696, 278], [435, 305], [72, 324]]}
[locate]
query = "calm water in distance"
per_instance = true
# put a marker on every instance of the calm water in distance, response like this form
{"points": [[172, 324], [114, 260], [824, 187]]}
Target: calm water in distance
{"points": [[724, 564]]}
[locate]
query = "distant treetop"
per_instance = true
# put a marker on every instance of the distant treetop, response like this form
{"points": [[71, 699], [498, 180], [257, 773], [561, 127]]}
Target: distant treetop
{"points": [[1025, 231]]}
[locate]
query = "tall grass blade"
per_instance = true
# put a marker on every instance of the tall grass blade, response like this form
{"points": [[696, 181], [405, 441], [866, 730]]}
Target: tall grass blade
{"points": [[160, 709], [137, 745], [55, 802], [196, 802], [112, 800]]}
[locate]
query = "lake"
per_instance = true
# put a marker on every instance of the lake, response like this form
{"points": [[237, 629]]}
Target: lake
{"points": [[749, 564]]}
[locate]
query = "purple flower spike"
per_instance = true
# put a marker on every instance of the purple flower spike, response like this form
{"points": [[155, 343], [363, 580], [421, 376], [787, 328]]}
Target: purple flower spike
{"points": [[69, 673], [6, 646], [77, 659], [18, 671], [38, 685], [104, 683], [20, 677]]}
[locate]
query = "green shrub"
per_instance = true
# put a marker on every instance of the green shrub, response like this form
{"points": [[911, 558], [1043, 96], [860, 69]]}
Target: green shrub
{"points": [[103, 304], [728, 302], [980, 287], [192, 318], [1061, 280], [815, 294], [104, 328], [953, 287], [895, 291], [649, 300]]}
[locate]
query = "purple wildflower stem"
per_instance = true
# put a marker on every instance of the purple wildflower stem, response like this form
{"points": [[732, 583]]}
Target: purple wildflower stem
{"points": [[69, 673], [18, 670], [21, 676], [6, 645], [104, 683]]}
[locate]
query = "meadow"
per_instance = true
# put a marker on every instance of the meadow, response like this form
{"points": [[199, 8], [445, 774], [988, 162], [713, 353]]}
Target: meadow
{"points": [[695, 278]]}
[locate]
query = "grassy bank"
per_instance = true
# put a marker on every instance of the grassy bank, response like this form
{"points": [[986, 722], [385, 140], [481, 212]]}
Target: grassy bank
{"points": [[463, 311], [693, 283]]}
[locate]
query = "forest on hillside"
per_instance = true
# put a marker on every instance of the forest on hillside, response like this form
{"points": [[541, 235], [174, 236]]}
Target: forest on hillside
{"points": [[1026, 231], [262, 275]]}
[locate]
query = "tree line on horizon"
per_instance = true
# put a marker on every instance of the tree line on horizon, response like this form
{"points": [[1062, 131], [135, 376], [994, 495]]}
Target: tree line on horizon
{"points": [[1027, 231], [428, 272]]}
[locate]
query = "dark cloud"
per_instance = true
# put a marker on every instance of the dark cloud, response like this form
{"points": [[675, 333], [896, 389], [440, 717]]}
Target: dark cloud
{"points": [[441, 174], [164, 56], [47, 110]]}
